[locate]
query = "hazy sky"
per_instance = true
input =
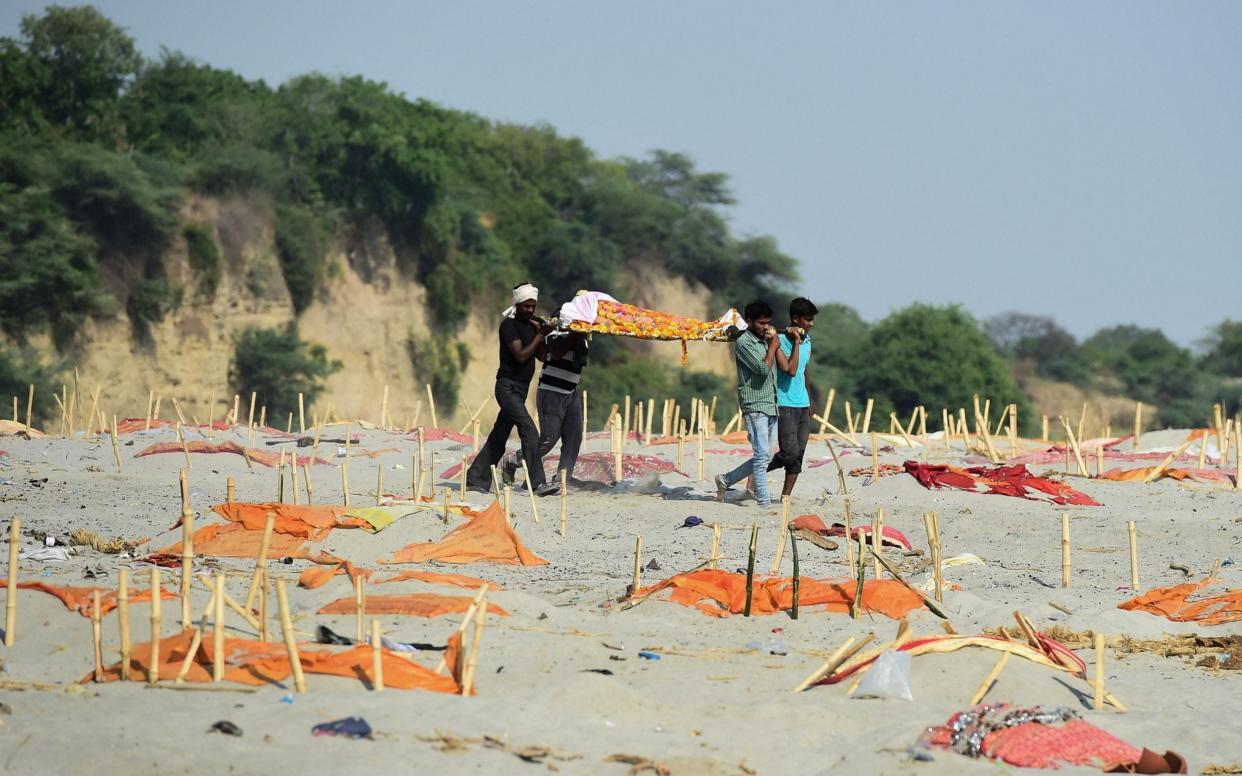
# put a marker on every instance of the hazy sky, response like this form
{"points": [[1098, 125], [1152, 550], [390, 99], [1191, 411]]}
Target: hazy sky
{"points": [[1080, 160]]}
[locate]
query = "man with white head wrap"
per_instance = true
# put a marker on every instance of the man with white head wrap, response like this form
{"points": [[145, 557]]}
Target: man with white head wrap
{"points": [[521, 343]]}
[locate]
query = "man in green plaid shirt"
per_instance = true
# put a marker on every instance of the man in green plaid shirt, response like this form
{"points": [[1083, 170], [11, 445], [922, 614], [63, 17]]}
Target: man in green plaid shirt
{"points": [[754, 352]]}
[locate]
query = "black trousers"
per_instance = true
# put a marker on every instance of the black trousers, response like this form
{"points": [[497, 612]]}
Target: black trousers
{"points": [[511, 398], [560, 419], [793, 429]]}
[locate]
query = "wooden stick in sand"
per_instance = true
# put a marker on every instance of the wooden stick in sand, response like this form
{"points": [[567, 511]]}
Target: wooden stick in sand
{"points": [[1203, 443], [195, 641], [1097, 700], [702, 461], [1237, 445], [636, 582], [877, 542], [377, 657], [291, 645], [185, 448], [10, 605], [116, 448], [750, 568], [97, 636], [345, 482], [1073, 441], [383, 421], [122, 618], [472, 662], [648, 419], [780, 547], [860, 580], [461, 473], [1134, 575], [625, 422], [875, 458], [261, 561], [866, 424], [293, 475], [187, 563], [823, 423], [1138, 424], [263, 610], [508, 505], [217, 643], [379, 484], [431, 404], [29, 406], [843, 653], [447, 499], [360, 603], [564, 500], [530, 491], [617, 450], [1157, 472], [989, 679], [715, 553], [1065, 550], [466, 619], [585, 427], [153, 669], [797, 576]]}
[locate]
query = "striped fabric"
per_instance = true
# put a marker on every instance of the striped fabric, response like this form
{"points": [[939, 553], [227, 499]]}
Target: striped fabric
{"points": [[561, 375]]}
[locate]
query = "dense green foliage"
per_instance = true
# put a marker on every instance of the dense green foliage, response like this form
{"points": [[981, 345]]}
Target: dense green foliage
{"points": [[277, 365], [19, 369], [204, 258], [441, 363]]}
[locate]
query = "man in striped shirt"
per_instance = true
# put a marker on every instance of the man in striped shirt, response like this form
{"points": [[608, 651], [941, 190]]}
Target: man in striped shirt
{"points": [[557, 401]]}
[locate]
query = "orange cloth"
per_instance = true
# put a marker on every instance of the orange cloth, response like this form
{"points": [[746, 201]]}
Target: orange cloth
{"points": [[257, 663], [1173, 603], [457, 580], [416, 604], [81, 599], [309, 522], [1139, 474], [233, 540], [721, 593], [318, 576], [735, 438], [484, 538]]}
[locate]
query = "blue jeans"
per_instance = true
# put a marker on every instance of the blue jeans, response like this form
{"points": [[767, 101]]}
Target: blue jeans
{"points": [[761, 430]]}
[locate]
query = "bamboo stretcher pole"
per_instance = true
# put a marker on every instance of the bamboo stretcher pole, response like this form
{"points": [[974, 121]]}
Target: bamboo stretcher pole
{"points": [[291, 645], [195, 641]]}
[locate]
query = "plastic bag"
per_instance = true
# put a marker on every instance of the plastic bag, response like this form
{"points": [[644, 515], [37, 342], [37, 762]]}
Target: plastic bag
{"points": [[889, 677]]}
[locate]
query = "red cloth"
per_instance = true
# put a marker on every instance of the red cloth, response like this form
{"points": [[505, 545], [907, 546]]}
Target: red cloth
{"points": [[891, 536], [1036, 745], [1013, 480]]}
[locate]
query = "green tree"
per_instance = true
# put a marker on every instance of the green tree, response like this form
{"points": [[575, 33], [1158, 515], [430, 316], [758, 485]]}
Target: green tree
{"points": [[277, 365], [838, 332], [67, 72], [1224, 348], [21, 368], [933, 356]]}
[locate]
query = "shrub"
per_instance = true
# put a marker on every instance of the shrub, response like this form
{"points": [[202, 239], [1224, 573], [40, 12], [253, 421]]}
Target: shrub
{"points": [[204, 258], [934, 356], [441, 363], [277, 365], [301, 242], [19, 369]]}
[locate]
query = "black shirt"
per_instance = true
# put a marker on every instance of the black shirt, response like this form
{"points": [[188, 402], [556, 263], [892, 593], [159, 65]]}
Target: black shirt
{"points": [[512, 329]]}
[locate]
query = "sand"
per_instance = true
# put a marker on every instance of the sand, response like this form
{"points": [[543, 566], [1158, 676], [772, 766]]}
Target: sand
{"points": [[710, 705]]}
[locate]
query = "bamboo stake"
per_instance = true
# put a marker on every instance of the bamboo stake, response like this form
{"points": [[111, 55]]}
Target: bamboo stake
{"points": [[431, 404], [509, 505], [877, 541], [264, 636], [116, 448], [1097, 700], [461, 472], [1237, 445], [280, 478], [843, 653], [617, 456], [585, 427], [377, 656], [96, 636], [122, 618], [1134, 574], [480, 614], [702, 461], [286, 627], [1203, 443], [1138, 424], [625, 423], [153, 670], [263, 416], [860, 580], [261, 561], [345, 482], [379, 484], [185, 448], [195, 641], [987, 680], [564, 500], [293, 475], [217, 644], [1155, 473], [476, 436], [875, 459], [648, 419], [466, 619], [447, 499], [187, 563], [780, 547], [417, 463], [383, 421], [1065, 550], [750, 568], [360, 603], [638, 565], [797, 576], [823, 424], [1073, 441], [530, 491], [866, 425], [715, 555], [849, 539], [10, 606]]}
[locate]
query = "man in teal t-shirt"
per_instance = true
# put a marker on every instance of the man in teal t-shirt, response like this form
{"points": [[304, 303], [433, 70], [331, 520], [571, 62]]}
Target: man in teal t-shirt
{"points": [[793, 403]]}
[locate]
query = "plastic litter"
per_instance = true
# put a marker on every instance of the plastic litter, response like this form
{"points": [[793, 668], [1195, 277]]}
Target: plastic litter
{"points": [[648, 655], [350, 727], [769, 647], [691, 522], [54, 554], [889, 677]]}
